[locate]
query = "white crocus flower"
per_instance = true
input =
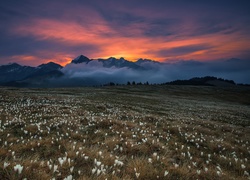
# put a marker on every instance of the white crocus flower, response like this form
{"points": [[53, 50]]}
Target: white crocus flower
{"points": [[5, 165], [166, 173], [18, 168]]}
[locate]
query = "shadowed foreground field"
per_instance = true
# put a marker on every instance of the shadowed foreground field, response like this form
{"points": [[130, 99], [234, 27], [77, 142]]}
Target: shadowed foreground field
{"points": [[126, 132]]}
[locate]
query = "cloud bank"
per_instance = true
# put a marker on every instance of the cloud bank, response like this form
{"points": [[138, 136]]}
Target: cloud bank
{"points": [[94, 73]]}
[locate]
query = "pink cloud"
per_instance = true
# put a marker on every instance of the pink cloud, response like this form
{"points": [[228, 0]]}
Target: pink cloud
{"points": [[129, 41]]}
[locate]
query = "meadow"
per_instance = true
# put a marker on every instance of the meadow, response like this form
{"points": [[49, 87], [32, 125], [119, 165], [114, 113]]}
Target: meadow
{"points": [[125, 132]]}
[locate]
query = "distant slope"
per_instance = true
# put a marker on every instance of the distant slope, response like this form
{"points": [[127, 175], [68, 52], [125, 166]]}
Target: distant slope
{"points": [[204, 81], [14, 72], [23, 76]]}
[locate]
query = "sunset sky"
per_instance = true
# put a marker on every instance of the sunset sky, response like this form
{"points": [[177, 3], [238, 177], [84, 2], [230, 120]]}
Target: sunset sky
{"points": [[35, 32]]}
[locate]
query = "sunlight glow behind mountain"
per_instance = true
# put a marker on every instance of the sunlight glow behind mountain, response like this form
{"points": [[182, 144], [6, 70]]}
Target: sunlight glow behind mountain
{"points": [[35, 32]]}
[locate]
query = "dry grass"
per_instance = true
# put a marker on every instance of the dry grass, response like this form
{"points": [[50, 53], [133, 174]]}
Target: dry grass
{"points": [[142, 132]]}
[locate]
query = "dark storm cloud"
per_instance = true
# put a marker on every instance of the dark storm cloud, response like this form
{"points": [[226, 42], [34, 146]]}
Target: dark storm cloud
{"points": [[120, 18], [6, 13], [21, 45], [163, 27], [24, 45], [208, 26]]}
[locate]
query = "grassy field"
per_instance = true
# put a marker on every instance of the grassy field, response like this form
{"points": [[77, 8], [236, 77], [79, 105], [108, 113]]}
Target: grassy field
{"points": [[125, 132]]}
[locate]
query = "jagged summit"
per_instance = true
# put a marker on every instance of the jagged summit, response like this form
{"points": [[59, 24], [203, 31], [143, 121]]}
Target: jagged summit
{"points": [[140, 61], [50, 65], [81, 59], [11, 65], [112, 61], [119, 63]]}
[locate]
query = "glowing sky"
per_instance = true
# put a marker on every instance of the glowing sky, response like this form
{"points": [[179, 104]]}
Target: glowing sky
{"points": [[35, 32]]}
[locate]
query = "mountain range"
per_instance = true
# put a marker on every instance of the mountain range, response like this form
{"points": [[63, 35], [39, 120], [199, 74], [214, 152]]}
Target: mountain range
{"points": [[14, 74], [83, 71]]}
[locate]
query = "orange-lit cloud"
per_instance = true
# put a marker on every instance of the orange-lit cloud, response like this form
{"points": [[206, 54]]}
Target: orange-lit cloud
{"points": [[110, 42], [23, 59], [100, 29]]}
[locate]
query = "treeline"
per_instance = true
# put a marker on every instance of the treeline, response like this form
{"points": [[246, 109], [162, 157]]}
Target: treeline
{"points": [[196, 81], [128, 83], [201, 81]]}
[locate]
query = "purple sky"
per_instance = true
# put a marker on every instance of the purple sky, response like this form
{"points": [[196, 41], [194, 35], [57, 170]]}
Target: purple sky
{"points": [[35, 32]]}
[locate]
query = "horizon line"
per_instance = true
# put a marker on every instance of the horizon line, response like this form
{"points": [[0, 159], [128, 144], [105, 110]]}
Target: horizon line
{"points": [[118, 58]]}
